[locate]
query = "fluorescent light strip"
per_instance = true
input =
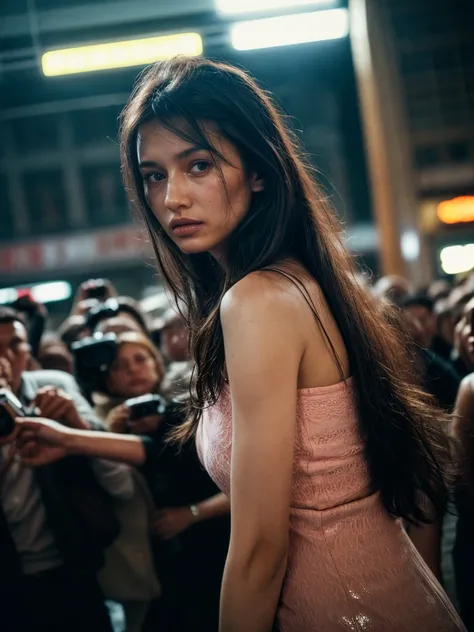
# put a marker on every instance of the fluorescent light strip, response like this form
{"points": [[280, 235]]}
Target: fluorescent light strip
{"points": [[239, 7], [290, 29], [120, 54]]}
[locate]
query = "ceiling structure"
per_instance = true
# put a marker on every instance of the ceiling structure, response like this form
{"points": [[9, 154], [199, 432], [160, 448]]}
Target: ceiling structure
{"points": [[29, 27]]}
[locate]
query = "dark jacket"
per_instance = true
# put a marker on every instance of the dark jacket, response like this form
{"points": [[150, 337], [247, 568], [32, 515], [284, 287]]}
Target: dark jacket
{"points": [[78, 544]]}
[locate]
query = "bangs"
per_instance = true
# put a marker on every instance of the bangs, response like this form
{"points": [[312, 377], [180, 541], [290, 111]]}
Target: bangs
{"points": [[180, 121]]}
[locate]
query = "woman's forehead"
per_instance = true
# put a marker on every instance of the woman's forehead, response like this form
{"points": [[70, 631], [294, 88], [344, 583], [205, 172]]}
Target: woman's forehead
{"points": [[153, 136]]}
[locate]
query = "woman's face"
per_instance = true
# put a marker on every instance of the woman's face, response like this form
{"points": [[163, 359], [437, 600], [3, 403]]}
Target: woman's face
{"points": [[133, 372], [185, 190]]}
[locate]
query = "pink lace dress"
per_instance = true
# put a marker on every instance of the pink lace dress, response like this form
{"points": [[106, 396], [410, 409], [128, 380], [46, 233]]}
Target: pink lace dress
{"points": [[350, 566]]}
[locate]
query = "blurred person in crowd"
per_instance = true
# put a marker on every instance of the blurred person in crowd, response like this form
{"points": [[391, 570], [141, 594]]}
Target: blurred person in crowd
{"points": [[129, 575], [392, 288], [458, 299], [54, 355], [444, 321], [463, 553], [72, 329], [117, 315], [421, 308], [175, 348], [464, 337], [53, 521], [155, 331], [35, 316], [439, 377], [290, 354], [438, 290], [190, 528], [90, 293]]}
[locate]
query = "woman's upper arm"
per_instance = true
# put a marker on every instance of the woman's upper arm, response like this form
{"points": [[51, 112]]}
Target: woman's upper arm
{"points": [[263, 351]]}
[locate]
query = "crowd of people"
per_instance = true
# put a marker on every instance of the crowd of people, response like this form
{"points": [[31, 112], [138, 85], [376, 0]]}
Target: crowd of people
{"points": [[147, 545], [151, 538], [338, 412]]}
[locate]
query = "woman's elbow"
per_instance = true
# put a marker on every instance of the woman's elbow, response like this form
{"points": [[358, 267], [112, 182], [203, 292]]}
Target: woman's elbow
{"points": [[261, 565]]}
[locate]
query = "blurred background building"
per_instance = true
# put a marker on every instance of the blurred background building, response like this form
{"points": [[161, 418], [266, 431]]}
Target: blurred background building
{"points": [[405, 70]]}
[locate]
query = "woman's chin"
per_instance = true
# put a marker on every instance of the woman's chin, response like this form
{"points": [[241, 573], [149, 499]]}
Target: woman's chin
{"points": [[194, 246]]}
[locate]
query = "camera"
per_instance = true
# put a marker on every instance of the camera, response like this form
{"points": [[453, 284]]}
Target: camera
{"points": [[92, 358], [145, 406], [10, 407], [98, 290]]}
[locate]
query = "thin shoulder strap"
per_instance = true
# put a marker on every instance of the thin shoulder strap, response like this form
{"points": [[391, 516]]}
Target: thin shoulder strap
{"points": [[309, 301]]}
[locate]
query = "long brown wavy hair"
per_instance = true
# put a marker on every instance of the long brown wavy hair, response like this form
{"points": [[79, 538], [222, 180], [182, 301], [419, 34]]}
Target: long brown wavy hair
{"points": [[405, 446]]}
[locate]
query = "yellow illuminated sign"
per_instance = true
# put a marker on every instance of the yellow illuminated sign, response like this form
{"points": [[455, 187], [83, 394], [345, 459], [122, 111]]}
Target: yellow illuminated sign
{"points": [[120, 54], [457, 210]]}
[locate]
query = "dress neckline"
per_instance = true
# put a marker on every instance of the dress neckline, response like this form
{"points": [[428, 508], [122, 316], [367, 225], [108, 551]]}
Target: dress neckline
{"points": [[347, 383]]}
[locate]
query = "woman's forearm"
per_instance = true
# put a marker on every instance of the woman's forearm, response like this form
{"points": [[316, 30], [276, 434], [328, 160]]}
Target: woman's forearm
{"points": [[115, 447], [213, 507], [250, 594]]}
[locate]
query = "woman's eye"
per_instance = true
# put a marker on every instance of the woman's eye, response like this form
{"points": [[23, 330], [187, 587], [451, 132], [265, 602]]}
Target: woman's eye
{"points": [[153, 177], [200, 166]]}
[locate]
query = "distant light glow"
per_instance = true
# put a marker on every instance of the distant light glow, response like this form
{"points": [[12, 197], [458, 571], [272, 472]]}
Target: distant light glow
{"points": [[459, 209], [120, 54], [51, 292], [238, 7], [8, 295], [41, 293], [457, 259], [410, 245], [290, 29]]}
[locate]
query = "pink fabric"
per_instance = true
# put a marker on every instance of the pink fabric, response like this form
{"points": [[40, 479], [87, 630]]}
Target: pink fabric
{"points": [[350, 565]]}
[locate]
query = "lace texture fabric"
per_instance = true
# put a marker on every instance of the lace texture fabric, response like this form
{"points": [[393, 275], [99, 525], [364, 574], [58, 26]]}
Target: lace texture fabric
{"points": [[350, 565]]}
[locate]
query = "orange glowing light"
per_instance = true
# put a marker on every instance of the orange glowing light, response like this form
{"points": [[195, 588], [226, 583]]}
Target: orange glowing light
{"points": [[459, 209]]}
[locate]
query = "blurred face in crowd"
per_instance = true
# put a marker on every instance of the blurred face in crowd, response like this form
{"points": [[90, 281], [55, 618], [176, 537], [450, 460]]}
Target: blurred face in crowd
{"points": [[392, 288], [119, 325], [414, 329], [427, 321], [198, 198], [15, 353], [134, 372], [444, 319], [56, 357], [174, 340]]}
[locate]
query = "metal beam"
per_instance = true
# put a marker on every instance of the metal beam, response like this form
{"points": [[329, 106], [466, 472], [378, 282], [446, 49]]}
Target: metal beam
{"points": [[101, 14], [66, 105]]}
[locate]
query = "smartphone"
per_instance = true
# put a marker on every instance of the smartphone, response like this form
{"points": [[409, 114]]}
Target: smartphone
{"points": [[10, 408]]}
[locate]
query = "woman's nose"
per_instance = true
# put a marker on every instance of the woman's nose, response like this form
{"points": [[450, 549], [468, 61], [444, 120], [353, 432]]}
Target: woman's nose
{"points": [[177, 194]]}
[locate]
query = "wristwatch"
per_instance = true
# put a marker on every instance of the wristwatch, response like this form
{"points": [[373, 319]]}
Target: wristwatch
{"points": [[194, 509]]}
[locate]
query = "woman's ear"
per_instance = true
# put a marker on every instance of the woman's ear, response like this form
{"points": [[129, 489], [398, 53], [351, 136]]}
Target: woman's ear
{"points": [[257, 183]]}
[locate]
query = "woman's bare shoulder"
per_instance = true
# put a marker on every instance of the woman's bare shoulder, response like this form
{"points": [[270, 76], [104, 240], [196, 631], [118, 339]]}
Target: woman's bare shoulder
{"points": [[278, 289]]}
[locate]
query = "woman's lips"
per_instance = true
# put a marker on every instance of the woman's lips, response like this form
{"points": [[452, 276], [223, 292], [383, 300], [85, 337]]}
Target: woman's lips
{"points": [[186, 230]]}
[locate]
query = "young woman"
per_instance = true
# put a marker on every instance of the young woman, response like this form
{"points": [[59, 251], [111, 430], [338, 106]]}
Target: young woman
{"points": [[303, 403]]}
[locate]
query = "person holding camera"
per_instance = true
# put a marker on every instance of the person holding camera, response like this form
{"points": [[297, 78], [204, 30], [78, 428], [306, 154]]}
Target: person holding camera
{"points": [[130, 369], [55, 520], [190, 523]]}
